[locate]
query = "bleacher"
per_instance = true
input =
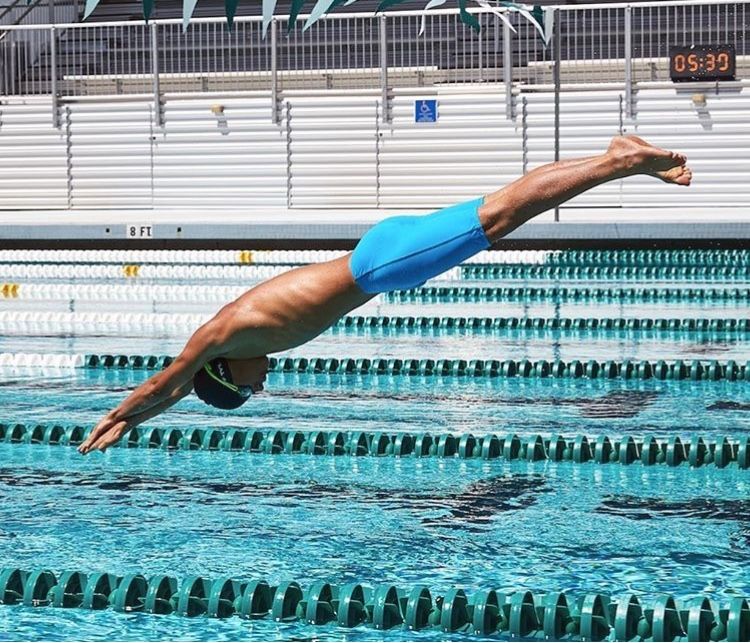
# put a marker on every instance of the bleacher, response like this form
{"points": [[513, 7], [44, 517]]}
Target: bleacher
{"points": [[118, 60]]}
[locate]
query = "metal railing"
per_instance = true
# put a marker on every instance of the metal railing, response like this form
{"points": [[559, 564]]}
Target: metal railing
{"points": [[609, 43], [37, 12], [709, 23], [25, 39]]}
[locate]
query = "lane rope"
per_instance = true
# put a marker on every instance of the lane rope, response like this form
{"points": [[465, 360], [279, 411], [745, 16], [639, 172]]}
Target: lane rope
{"points": [[694, 451], [713, 370], [594, 272], [203, 293], [695, 370], [147, 323], [146, 272], [715, 257], [525, 294], [467, 271], [518, 614]]}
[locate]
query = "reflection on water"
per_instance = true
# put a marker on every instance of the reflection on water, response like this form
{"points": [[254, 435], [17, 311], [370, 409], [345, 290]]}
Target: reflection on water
{"points": [[635, 508], [615, 404], [728, 406], [467, 507]]}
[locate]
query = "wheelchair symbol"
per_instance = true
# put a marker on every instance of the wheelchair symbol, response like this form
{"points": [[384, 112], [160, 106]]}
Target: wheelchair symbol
{"points": [[427, 112]]}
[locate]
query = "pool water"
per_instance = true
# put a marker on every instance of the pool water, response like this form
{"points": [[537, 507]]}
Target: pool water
{"points": [[505, 525], [381, 403], [537, 526]]}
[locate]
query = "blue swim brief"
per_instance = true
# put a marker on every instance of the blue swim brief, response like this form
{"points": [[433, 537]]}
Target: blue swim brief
{"points": [[405, 251]]}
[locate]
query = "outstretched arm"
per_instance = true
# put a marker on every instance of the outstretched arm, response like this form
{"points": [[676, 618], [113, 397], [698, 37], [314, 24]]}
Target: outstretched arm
{"points": [[159, 392]]}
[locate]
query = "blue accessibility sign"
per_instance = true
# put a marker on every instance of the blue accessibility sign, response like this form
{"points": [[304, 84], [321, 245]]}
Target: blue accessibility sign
{"points": [[425, 111]]}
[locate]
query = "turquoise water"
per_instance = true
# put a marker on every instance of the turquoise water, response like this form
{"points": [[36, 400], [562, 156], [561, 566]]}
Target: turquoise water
{"points": [[382, 403], [541, 526]]}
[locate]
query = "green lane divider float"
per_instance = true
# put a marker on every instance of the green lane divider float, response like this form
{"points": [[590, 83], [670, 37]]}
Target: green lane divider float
{"points": [[576, 324], [694, 452], [592, 369], [526, 271], [658, 258], [519, 614], [492, 294]]}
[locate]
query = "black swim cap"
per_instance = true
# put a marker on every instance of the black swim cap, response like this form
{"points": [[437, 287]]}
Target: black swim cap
{"points": [[213, 384]]}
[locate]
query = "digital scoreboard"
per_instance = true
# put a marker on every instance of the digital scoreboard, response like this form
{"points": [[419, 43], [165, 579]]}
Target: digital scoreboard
{"points": [[702, 62]]}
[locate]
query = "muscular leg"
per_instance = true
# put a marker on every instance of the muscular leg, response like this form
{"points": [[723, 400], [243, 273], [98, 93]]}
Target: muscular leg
{"points": [[550, 185], [549, 167]]}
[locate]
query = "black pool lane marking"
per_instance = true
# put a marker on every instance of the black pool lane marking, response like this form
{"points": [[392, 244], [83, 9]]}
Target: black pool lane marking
{"points": [[646, 508], [635, 508], [474, 507], [613, 405], [470, 507], [622, 404], [727, 405]]}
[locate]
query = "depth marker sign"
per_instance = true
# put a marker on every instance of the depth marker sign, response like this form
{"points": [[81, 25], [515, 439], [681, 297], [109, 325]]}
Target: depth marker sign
{"points": [[139, 231]]}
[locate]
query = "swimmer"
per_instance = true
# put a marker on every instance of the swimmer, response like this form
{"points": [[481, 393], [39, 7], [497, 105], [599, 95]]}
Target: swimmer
{"points": [[225, 361]]}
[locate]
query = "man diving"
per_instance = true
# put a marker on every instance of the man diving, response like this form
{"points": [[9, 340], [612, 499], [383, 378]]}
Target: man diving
{"points": [[225, 360]]}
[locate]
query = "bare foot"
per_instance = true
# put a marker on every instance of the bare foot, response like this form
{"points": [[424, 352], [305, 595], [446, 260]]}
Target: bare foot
{"points": [[639, 157], [676, 155], [680, 175]]}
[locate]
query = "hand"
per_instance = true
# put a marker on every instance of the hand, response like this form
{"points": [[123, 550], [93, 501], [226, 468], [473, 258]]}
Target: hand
{"points": [[104, 435], [155, 395]]}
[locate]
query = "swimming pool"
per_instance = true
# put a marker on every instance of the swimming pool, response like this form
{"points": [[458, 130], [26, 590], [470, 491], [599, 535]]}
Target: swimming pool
{"points": [[507, 511]]}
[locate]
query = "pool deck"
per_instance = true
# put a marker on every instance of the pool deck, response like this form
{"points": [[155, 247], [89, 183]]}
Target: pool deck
{"points": [[345, 226]]}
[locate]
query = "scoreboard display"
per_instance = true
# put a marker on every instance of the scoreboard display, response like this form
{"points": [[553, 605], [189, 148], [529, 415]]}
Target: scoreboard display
{"points": [[702, 62]]}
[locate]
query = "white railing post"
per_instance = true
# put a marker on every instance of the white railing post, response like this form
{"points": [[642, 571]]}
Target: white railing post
{"points": [[69, 157], [508, 70], [628, 62], [53, 76], [288, 118], [525, 134], [479, 47], [384, 68], [155, 74], [274, 72], [557, 36], [377, 154]]}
